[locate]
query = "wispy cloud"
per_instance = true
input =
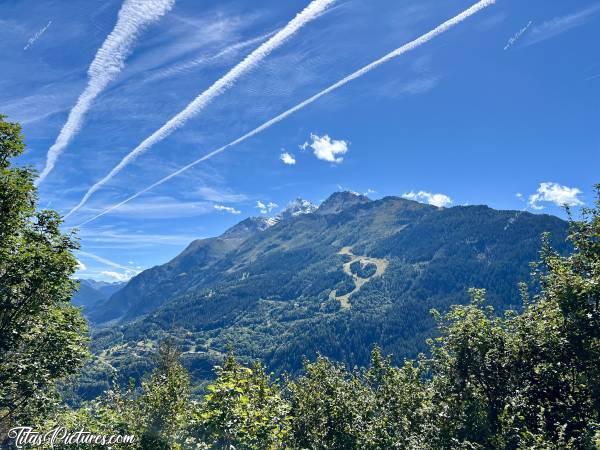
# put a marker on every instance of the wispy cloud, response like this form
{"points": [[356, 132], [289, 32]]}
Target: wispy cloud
{"points": [[266, 208], [559, 25], [419, 85], [287, 158], [555, 193], [118, 276], [227, 209], [124, 274], [327, 149], [32, 108], [449, 24], [166, 207], [219, 195], [311, 12], [37, 35], [439, 200], [517, 36], [103, 238], [134, 16]]}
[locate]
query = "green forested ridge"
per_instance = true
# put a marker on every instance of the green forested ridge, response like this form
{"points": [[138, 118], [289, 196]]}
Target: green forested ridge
{"points": [[492, 378], [268, 292], [517, 380]]}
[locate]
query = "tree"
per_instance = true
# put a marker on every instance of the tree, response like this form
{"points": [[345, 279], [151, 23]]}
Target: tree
{"points": [[243, 409], [528, 380], [43, 338], [331, 407], [156, 413], [164, 403], [401, 404]]}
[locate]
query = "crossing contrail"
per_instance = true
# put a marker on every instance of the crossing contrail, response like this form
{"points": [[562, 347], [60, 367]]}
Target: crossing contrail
{"points": [[189, 65], [311, 12], [134, 16], [393, 54]]}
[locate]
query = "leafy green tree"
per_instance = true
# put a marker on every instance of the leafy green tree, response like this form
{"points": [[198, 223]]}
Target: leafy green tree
{"points": [[156, 413], [164, 403], [471, 368], [331, 407], [43, 338], [401, 404], [528, 380], [243, 409]]}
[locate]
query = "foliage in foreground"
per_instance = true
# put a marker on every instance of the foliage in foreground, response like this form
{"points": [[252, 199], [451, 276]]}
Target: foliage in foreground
{"points": [[43, 338], [522, 380]]}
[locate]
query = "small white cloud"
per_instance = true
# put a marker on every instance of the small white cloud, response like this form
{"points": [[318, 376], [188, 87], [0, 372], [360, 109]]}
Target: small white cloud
{"points": [[327, 149], [227, 209], [370, 191], [555, 193], [304, 146], [265, 207], [117, 276], [81, 266], [439, 200], [519, 195], [287, 158]]}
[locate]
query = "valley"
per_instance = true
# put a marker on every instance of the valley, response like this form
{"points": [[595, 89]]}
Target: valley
{"points": [[333, 279]]}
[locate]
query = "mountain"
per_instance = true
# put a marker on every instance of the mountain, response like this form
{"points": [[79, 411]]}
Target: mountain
{"points": [[92, 292], [153, 287], [334, 280]]}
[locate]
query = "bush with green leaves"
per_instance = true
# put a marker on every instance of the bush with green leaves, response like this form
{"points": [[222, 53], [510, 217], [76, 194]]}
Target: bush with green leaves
{"points": [[242, 409]]}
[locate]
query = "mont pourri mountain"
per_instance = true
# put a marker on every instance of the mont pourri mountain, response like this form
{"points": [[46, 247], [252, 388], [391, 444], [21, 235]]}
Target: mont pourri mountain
{"points": [[335, 280]]}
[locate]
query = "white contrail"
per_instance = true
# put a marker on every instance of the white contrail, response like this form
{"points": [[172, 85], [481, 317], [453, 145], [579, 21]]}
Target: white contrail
{"points": [[134, 16], [311, 12], [188, 65], [108, 262], [517, 36], [399, 51]]}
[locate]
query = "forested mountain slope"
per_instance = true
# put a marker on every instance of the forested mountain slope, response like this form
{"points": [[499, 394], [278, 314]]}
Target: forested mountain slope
{"points": [[274, 290]]}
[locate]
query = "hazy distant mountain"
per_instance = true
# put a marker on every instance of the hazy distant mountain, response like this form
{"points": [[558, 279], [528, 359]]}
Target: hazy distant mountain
{"points": [[336, 279], [91, 292]]}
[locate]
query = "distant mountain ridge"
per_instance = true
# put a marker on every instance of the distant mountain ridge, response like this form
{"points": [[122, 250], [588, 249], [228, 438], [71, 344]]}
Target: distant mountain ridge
{"points": [[282, 289], [91, 292]]}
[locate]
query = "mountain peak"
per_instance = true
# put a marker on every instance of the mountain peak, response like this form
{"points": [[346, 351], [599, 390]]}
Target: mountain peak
{"points": [[338, 201], [297, 207], [248, 227], [252, 225]]}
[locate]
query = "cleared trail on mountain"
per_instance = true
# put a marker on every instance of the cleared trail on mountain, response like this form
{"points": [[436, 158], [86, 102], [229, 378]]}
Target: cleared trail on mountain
{"points": [[359, 282]]}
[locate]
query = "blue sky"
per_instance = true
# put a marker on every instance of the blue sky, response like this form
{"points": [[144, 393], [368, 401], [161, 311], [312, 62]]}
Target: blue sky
{"points": [[502, 109]]}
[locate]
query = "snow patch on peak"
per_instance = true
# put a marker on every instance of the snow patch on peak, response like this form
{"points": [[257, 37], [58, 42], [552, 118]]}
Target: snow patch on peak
{"points": [[297, 208]]}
